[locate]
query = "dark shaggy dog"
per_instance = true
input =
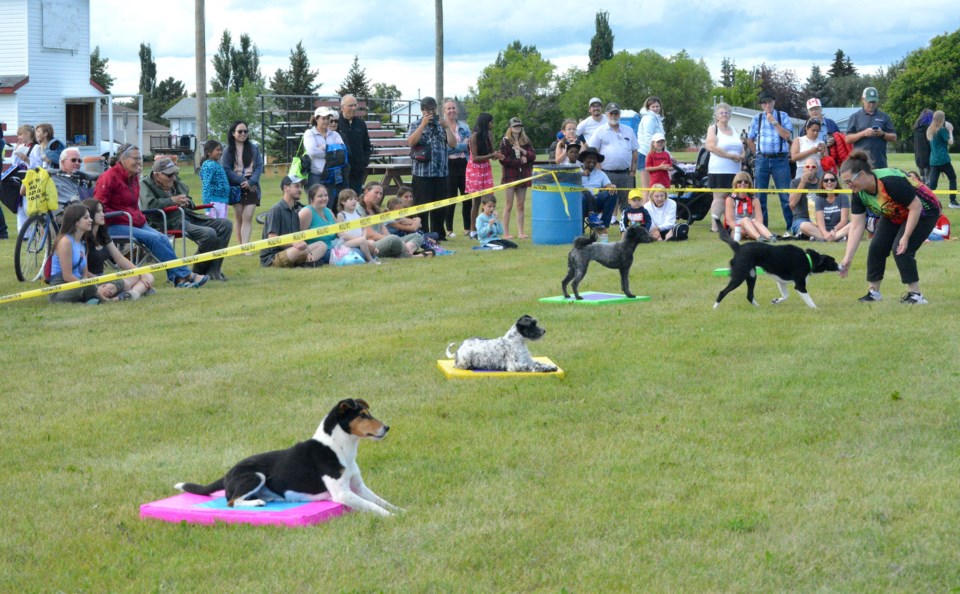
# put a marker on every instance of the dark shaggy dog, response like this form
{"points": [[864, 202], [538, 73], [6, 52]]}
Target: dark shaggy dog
{"points": [[617, 255], [784, 264]]}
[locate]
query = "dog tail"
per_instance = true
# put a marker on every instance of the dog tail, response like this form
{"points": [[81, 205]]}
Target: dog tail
{"points": [[200, 489], [450, 350], [724, 235], [584, 240]]}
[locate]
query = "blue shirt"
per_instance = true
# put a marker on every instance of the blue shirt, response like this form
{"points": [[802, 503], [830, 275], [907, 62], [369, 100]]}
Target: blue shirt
{"points": [[596, 180], [488, 231], [764, 134], [436, 138]]}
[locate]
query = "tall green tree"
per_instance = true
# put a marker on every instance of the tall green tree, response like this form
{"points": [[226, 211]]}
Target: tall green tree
{"points": [[683, 84], [743, 92], [222, 64], [356, 83], [520, 83], [841, 66], [298, 80], [784, 86], [245, 64], [601, 45], [148, 71], [241, 105], [728, 71], [845, 91], [816, 86], [98, 70], [930, 78]]}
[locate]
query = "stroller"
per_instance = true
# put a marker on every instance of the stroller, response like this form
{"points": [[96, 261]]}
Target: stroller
{"points": [[691, 206]]}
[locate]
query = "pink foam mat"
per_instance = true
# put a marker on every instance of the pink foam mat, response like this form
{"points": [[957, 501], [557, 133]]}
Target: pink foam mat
{"points": [[200, 509]]}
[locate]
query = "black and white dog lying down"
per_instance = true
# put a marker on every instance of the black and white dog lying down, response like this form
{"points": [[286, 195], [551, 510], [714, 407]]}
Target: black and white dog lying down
{"points": [[321, 468], [507, 353], [784, 264], [617, 255]]}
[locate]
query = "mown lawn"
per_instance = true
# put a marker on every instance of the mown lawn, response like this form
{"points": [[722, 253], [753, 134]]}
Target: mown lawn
{"points": [[688, 449]]}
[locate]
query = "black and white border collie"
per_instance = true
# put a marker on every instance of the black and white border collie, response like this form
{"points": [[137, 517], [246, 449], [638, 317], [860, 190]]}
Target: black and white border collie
{"points": [[321, 468], [784, 264]]}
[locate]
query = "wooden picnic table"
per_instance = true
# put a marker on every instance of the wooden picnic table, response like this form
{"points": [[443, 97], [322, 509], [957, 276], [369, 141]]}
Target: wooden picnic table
{"points": [[393, 174]]}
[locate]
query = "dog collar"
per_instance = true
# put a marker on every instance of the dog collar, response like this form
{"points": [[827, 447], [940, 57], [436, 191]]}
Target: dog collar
{"points": [[810, 260]]}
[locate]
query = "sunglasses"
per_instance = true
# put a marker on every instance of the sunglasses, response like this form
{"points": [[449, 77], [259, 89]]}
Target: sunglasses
{"points": [[742, 181], [809, 166], [829, 180], [75, 160], [238, 131]]}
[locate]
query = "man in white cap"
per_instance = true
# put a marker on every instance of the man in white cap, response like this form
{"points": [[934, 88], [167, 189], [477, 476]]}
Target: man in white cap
{"points": [[870, 129], [163, 188], [593, 121], [827, 126], [618, 145]]}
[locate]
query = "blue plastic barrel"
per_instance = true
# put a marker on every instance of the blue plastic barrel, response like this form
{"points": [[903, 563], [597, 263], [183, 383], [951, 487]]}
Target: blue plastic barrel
{"points": [[552, 225]]}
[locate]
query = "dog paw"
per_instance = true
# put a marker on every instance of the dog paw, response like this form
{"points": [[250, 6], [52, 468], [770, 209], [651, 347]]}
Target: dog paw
{"points": [[579, 298], [777, 300], [631, 296]]}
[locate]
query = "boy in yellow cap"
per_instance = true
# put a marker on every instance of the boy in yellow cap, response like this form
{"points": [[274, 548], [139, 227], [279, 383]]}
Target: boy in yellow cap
{"points": [[635, 213]]}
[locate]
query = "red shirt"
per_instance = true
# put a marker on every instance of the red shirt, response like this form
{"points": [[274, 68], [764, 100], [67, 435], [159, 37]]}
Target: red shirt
{"points": [[659, 176], [120, 193]]}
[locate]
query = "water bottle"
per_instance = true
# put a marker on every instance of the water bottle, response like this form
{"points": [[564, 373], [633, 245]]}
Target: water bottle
{"points": [[736, 233]]}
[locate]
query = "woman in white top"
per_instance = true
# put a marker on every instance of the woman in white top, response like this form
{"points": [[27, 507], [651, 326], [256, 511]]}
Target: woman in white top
{"points": [[726, 158], [26, 155], [315, 141], [808, 145], [651, 122]]}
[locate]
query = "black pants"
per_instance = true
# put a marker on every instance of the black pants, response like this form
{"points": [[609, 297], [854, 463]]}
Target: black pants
{"points": [[456, 185], [3, 225], [426, 190], [936, 170], [885, 240]]}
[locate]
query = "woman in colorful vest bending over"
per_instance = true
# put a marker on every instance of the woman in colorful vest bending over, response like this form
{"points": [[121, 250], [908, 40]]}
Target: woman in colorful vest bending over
{"points": [[908, 212]]}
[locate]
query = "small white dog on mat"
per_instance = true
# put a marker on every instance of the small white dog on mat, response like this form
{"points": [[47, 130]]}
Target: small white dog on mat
{"points": [[507, 353]]}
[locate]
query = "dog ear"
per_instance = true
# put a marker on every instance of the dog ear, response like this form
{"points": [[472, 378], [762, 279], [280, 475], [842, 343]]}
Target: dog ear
{"points": [[526, 320], [362, 403], [347, 405]]}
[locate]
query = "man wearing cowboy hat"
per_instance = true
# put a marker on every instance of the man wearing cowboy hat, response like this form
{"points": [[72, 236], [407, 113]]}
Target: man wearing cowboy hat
{"points": [[600, 193]]}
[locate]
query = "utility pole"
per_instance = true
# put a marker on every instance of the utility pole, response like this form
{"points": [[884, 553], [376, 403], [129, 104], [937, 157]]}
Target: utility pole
{"points": [[201, 61], [439, 51]]}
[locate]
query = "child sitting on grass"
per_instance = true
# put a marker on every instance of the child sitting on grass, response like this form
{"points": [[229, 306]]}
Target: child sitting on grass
{"points": [[489, 229], [635, 213], [405, 227]]}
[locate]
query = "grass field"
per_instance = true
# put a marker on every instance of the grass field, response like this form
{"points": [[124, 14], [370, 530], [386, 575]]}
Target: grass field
{"points": [[688, 449]]}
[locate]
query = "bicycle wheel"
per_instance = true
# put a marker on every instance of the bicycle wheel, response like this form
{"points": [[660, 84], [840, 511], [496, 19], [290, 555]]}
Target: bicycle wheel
{"points": [[34, 244]]}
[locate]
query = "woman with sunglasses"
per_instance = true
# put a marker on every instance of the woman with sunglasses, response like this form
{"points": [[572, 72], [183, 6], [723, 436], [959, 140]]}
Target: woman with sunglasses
{"points": [[908, 212], [244, 165], [833, 209], [743, 211]]}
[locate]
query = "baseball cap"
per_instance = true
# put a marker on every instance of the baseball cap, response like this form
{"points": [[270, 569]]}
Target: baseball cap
{"points": [[765, 96], [611, 107], [289, 179], [594, 100], [635, 194], [871, 94], [813, 102], [657, 136], [165, 165], [516, 122], [324, 111]]}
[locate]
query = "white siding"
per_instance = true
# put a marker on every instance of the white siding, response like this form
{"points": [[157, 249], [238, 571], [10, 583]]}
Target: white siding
{"points": [[55, 74], [13, 30], [8, 113]]}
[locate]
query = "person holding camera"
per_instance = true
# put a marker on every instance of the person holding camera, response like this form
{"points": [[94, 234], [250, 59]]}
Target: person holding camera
{"points": [[808, 145], [870, 129], [429, 139]]}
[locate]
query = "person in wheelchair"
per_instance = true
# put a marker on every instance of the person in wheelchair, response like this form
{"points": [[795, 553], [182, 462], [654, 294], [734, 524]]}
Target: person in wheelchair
{"points": [[161, 189], [72, 183], [118, 189]]}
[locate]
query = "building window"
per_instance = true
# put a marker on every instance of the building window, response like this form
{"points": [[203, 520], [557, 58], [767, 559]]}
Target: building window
{"points": [[80, 123]]}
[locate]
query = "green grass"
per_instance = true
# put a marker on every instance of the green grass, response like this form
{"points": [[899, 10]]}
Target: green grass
{"points": [[688, 449]]}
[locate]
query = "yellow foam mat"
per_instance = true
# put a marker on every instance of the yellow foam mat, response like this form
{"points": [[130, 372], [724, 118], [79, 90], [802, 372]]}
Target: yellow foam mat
{"points": [[451, 372]]}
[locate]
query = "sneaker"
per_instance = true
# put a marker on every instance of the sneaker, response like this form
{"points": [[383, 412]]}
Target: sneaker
{"points": [[150, 291], [871, 297], [125, 296], [911, 298], [593, 220], [604, 238], [955, 205], [473, 235], [451, 234], [375, 260], [786, 235]]}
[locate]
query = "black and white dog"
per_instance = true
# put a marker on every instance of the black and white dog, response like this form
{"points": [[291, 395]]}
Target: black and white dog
{"points": [[617, 255], [321, 468], [784, 264], [507, 353]]}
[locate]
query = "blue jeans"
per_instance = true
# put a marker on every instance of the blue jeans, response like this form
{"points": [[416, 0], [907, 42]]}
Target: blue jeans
{"points": [[778, 170], [156, 242], [602, 204]]}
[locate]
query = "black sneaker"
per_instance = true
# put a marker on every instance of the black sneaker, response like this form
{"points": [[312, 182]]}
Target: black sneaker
{"points": [[911, 298], [870, 297]]}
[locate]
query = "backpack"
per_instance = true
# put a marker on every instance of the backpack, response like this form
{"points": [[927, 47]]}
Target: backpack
{"points": [[335, 161], [41, 193]]}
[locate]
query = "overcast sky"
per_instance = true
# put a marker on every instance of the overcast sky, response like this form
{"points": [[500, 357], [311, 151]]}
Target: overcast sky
{"points": [[394, 39]]}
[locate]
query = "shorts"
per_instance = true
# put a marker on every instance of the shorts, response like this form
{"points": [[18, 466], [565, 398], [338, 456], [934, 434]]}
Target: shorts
{"points": [[795, 226], [281, 260], [249, 197], [719, 181]]}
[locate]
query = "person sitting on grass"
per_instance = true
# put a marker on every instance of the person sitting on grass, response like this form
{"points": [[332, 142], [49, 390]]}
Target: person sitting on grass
{"points": [[799, 202], [743, 211], [282, 219], [833, 210], [635, 214], [489, 229], [389, 246], [315, 215], [69, 263], [663, 216], [347, 212], [100, 249]]}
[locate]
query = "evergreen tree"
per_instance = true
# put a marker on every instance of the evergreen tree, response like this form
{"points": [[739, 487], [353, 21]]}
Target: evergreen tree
{"points": [[728, 72], [816, 86], [98, 70], [245, 64], [222, 65], [356, 83], [841, 66], [148, 71], [601, 45], [298, 80]]}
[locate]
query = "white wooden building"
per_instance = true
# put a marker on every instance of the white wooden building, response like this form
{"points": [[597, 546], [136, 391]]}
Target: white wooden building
{"points": [[45, 71]]}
